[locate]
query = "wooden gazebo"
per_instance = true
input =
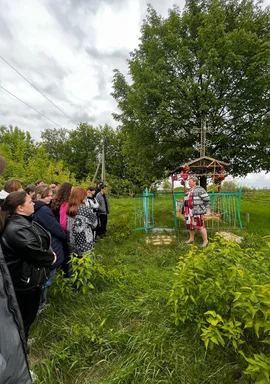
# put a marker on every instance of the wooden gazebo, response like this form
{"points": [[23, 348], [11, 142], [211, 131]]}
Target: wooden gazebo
{"points": [[225, 206], [203, 167]]}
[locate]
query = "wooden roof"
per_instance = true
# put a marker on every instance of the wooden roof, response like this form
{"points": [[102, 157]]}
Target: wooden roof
{"points": [[203, 165]]}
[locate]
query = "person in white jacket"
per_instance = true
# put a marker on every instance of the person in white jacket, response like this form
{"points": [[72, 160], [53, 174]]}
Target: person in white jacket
{"points": [[92, 203]]}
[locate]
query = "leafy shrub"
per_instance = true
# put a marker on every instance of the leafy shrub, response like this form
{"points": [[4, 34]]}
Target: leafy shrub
{"points": [[81, 271], [225, 290]]}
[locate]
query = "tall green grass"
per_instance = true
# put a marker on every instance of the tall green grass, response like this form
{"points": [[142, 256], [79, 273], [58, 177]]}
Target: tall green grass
{"points": [[257, 205], [122, 332]]}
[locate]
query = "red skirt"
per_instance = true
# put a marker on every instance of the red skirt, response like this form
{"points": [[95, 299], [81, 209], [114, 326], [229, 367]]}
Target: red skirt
{"points": [[194, 222]]}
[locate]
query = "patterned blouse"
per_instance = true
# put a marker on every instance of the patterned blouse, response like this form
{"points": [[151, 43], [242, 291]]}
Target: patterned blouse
{"points": [[79, 230]]}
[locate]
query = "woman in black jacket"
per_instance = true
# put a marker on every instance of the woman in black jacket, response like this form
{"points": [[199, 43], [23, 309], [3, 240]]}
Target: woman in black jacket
{"points": [[24, 243], [13, 358]]}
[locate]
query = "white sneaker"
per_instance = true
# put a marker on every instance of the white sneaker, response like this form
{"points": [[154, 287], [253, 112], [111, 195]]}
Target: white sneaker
{"points": [[33, 376], [46, 306]]}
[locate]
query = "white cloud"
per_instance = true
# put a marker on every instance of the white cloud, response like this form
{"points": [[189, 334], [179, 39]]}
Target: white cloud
{"points": [[69, 50], [117, 28], [253, 180], [49, 43]]}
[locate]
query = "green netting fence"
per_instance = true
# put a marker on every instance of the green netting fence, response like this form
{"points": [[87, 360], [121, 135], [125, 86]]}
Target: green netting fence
{"points": [[165, 211], [144, 211], [224, 212]]}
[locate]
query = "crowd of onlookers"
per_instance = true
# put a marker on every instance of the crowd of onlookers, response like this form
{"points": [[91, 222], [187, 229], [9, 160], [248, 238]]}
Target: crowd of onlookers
{"points": [[41, 226]]}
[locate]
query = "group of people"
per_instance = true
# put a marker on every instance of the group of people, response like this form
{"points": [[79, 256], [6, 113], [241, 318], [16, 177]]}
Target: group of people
{"points": [[40, 227]]}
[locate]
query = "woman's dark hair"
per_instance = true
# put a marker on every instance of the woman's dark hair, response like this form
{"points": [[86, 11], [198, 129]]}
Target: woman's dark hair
{"points": [[9, 206], [12, 185], [43, 190], [37, 183], [62, 195], [77, 196], [91, 188], [30, 188]]}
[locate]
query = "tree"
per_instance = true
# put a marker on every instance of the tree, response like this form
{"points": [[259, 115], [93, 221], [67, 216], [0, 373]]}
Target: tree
{"points": [[16, 147], [84, 145], [27, 160], [80, 150], [42, 167], [209, 63], [20, 145], [55, 141]]}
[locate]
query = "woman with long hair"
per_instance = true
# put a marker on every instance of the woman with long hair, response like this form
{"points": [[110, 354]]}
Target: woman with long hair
{"points": [[60, 204], [13, 352], [45, 217], [80, 222], [25, 244]]}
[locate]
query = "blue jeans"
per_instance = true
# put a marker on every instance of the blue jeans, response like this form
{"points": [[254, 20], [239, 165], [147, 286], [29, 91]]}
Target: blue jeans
{"points": [[45, 287]]}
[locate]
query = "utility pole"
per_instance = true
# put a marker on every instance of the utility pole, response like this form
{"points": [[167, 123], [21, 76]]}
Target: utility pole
{"points": [[103, 165], [203, 136], [94, 178]]}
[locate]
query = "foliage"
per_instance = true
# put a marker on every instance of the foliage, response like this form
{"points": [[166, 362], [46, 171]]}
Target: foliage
{"points": [[84, 145], [80, 150], [55, 142], [28, 161], [225, 290], [229, 186], [210, 62], [80, 270], [16, 147]]}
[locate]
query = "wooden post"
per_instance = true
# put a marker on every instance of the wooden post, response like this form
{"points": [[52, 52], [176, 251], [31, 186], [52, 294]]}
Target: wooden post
{"points": [[203, 182]]}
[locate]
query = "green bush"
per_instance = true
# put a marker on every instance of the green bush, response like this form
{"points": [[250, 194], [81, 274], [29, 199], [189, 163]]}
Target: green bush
{"points": [[80, 278], [225, 291]]}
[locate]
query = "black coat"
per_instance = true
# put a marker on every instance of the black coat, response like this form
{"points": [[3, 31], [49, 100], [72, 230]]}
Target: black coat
{"points": [[23, 239], [13, 361], [45, 217]]}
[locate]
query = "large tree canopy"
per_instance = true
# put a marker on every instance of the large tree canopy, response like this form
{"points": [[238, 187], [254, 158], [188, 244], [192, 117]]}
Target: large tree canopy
{"points": [[211, 63]]}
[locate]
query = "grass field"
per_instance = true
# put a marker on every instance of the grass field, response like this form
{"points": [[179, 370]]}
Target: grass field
{"points": [[122, 332]]}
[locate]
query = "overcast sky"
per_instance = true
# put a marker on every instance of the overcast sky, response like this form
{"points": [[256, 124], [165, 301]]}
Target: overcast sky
{"points": [[68, 49]]}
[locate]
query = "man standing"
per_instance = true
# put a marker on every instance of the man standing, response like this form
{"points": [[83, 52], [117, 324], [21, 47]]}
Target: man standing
{"points": [[104, 210]]}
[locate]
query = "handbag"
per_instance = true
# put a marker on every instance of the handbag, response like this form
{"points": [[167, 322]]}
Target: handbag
{"points": [[33, 276]]}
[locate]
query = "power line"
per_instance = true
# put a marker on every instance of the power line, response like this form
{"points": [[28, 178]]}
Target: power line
{"points": [[37, 89], [31, 107]]}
